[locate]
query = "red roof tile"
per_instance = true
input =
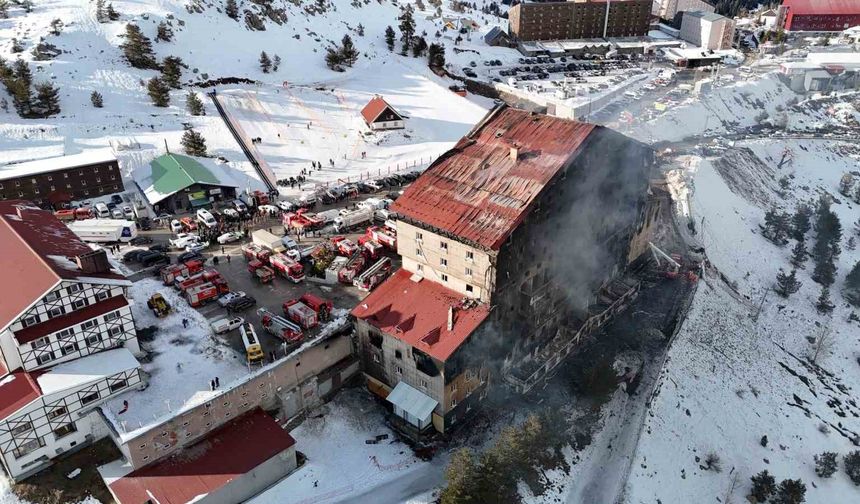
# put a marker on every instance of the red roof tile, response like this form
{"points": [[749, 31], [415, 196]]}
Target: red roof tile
{"points": [[55, 324], [207, 465], [17, 390], [374, 108], [823, 7], [417, 314], [30, 236], [477, 191]]}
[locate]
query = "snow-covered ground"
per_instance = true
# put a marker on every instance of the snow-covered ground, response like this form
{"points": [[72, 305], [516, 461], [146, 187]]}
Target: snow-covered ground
{"points": [[183, 362], [340, 465]]}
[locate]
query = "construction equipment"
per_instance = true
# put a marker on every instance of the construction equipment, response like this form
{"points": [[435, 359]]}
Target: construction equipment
{"points": [[159, 306], [253, 350], [280, 327], [374, 275], [287, 268]]}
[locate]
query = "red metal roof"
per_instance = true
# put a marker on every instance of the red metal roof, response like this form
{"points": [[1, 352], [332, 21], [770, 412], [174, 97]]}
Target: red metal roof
{"points": [[30, 238], [823, 6], [417, 314], [55, 324], [17, 390], [208, 465], [374, 108], [477, 191]]}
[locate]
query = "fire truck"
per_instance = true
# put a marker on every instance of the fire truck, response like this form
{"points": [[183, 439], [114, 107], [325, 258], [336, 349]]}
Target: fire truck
{"points": [[252, 344], [260, 198], [322, 307], [287, 268], [374, 275], [199, 295], [353, 268], [252, 252], [279, 326], [185, 270], [208, 275], [385, 236], [302, 220], [260, 271], [188, 224], [344, 246], [300, 313], [370, 247]]}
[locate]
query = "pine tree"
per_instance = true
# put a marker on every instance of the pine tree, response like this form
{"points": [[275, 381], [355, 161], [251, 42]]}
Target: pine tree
{"points": [[763, 486], [164, 33], [101, 12], [846, 183], [851, 244], [786, 285], [776, 227], [823, 305], [333, 59], [137, 48], [47, 101], [276, 63], [21, 71], [17, 46], [194, 104], [232, 9], [826, 250], [112, 14], [856, 196], [359, 30], [171, 71], [265, 62], [799, 255], [800, 223], [407, 28], [193, 143], [56, 27], [790, 492], [826, 464], [436, 55], [348, 52], [460, 476], [852, 466], [27, 5], [96, 99], [852, 285], [389, 38], [420, 47], [159, 92]]}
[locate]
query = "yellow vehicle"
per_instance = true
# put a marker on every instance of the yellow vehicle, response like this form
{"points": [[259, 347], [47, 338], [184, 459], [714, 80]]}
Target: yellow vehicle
{"points": [[252, 344], [158, 305]]}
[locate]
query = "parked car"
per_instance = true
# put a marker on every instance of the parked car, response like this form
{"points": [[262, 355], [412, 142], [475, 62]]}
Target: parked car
{"points": [[116, 213], [286, 206], [230, 237], [230, 213], [230, 296], [140, 240], [175, 226], [145, 223], [197, 246], [116, 199], [241, 304], [182, 240], [189, 256], [224, 325], [133, 256], [160, 247], [149, 258]]}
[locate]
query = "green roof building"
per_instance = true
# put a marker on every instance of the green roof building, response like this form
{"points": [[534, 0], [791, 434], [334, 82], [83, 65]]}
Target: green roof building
{"points": [[181, 183]]}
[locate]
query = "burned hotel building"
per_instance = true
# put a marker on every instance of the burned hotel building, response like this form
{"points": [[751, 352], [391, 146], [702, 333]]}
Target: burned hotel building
{"points": [[516, 244]]}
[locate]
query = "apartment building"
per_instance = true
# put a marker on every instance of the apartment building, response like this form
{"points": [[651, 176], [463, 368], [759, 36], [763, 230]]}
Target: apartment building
{"points": [[579, 19], [707, 30], [514, 242], [58, 180], [669, 9], [67, 338]]}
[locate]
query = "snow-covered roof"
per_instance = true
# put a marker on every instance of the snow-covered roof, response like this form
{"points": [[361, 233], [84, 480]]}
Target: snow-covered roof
{"points": [[86, 158], [86, 370], [412, 401]]}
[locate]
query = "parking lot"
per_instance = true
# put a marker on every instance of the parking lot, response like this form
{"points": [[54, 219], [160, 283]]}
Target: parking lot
{"points": [[231, 264]]}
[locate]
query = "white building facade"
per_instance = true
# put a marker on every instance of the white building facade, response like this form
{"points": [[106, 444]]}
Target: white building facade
{"points": [[707, 30]]}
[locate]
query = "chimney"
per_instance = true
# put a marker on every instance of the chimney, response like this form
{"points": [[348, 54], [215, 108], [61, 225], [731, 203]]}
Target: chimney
{"points": [[93, 262], [450, 318], [515, 152]]}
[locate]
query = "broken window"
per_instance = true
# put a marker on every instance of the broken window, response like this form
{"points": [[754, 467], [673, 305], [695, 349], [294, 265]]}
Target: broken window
{"points": [[376, 340]]}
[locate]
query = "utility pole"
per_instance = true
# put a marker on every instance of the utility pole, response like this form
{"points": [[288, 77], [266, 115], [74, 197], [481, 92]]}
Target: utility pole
{"points": [[606, 18]]}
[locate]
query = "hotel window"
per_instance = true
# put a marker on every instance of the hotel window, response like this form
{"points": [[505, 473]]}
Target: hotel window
{"points": [[470, 256], [31, 320], [468, 272], [68, 348], [45, 357], [22, 428], [77, 304], [94, 339], [28, 447], [65, 430], [420, 268], [89, 324], [469, 288], [90, 397], [74, 288], [65, 175], [41, 342], [399, 370], [418, 236], [58, 412], [418, 252], [118, 385], [101, 296], [443, 262], [115, 331], [111, 316], [56, 312], [52, 296], [444, 277], [443, 246]]}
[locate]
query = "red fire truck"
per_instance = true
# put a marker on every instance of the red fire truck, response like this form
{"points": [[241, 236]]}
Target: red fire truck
{"points": [[183, 284], [260, 271], [301, 314], [353, 268], [279, 326], [252, 251], [370, 247], [374, 275], [385, 236], [199, 295], [302, 220], [322, 307], [287, 268], [344, 246], [185, 270]]}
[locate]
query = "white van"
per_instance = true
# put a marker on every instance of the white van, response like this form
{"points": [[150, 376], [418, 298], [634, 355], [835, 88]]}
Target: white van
{"points": [[102, 211], [175, 226], [206, 218], [116, 213]]}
